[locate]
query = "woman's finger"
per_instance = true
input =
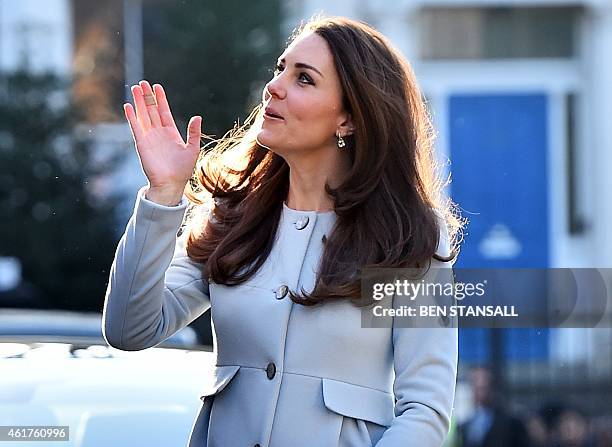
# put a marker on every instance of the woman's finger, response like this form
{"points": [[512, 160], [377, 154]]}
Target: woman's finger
{"points": [[164, 108], [133, 122], [151, 104], [194, 133], [141, 108]]}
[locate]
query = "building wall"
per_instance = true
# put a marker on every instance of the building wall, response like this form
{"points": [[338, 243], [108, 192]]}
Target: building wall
{"points": [[36, 33]]}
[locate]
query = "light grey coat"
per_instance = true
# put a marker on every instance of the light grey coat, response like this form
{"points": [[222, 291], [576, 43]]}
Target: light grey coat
{"points": [[286, 375]]}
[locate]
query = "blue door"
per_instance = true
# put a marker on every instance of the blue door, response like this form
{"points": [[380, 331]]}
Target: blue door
{"points": [[498, 150]]}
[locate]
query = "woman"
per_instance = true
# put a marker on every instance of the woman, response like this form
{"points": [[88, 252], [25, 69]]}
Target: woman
{"points": [[332, 174]]}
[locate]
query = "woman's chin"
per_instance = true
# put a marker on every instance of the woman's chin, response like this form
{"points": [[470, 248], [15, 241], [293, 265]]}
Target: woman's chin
{"points": [[264, 140]]}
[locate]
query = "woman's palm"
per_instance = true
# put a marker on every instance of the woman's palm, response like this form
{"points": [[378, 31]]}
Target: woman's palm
{"points": [[167, 160]]}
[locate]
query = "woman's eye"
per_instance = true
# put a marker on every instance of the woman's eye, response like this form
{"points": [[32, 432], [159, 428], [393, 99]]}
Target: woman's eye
{"points": [[306, 77], [303, 77]]}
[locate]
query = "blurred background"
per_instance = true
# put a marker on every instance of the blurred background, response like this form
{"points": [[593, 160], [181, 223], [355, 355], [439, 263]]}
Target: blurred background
{"points": [[520, 92]]}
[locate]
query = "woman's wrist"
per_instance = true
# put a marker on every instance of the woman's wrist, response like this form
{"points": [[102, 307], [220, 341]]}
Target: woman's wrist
{"points": [[166, 196]]}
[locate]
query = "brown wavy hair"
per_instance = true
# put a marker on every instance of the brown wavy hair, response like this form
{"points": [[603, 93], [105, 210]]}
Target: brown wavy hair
{"points": [[386, 207]]}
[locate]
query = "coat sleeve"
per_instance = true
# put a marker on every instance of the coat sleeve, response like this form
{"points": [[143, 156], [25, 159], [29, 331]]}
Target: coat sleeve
{"points": [[154, 289], [425, 367]]}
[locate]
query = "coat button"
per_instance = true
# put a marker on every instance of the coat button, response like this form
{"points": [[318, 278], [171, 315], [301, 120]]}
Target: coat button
{"points": [[281, 292], [271, 370], [302, 222]]}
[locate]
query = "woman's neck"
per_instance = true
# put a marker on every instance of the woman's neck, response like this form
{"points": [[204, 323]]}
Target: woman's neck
{"points": [[307, 180]]}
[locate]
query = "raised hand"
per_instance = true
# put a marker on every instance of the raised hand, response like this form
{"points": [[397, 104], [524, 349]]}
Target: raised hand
{"points": [[166, 159]]}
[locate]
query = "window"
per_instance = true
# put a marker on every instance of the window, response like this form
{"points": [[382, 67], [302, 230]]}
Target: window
{"points": [[496, 33]]}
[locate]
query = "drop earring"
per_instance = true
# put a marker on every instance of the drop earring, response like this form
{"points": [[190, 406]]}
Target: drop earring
{"points": [[341, 142]]}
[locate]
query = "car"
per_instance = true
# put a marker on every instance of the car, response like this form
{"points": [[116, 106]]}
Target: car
{"points": [[70, 326], [58, 374]]}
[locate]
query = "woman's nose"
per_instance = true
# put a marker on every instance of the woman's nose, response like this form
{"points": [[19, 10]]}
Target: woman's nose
{"points": [[274, 88]]}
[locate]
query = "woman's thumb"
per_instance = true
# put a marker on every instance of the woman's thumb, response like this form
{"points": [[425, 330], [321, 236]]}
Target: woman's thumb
{"points": [[194, 132]]}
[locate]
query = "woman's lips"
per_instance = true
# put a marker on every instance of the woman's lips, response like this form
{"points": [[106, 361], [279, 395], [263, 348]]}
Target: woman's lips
{"points": [[271, 113], [267, 116]]}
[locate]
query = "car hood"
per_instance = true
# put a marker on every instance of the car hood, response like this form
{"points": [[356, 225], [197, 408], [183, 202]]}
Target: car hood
{"points": [[151, 396]]}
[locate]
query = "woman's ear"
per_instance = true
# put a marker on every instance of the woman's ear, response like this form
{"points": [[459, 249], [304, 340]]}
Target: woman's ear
{"points": [[346, 126]]}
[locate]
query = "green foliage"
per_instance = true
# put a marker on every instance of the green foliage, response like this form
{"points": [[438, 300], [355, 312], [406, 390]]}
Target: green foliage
{"points": [[49, 220], [213, 58]]}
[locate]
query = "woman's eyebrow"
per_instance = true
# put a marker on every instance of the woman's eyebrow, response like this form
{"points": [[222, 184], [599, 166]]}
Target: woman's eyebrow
{"points": [[303, 65]]}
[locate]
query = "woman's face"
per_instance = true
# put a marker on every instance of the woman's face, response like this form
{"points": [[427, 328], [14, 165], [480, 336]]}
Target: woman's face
{"points": [[306, 95]]}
